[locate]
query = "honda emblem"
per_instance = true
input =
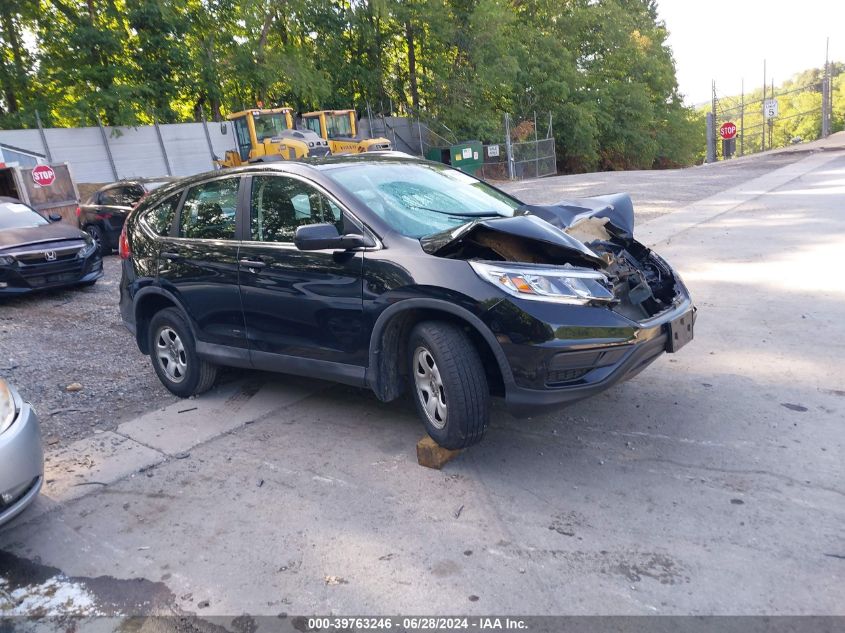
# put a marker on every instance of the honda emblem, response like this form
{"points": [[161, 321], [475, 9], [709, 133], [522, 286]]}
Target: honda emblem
{"points": [[50, 256]]}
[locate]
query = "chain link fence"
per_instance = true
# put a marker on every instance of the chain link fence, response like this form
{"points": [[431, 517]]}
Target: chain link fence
{"points": [[534, 159], [523, 153]]}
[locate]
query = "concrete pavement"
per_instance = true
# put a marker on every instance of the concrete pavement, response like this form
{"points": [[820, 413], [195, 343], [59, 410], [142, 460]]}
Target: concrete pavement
{"points": [[711, 483]]}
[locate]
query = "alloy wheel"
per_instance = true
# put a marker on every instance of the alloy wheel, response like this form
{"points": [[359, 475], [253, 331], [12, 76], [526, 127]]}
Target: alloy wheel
{"points": [[171, 355], [430, 388], [95, 235]]}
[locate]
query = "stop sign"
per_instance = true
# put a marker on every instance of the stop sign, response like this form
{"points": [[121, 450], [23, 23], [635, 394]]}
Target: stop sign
{"points": [[43, 175], [728, 130]]}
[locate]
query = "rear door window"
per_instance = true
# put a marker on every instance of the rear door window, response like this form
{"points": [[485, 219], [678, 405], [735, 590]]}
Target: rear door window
{"points": [[209, 210]]}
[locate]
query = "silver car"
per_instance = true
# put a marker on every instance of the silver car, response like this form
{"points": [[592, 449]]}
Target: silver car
{"points": [[21, 455]]}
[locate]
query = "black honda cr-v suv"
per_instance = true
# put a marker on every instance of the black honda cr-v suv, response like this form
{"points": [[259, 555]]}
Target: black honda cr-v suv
{"points": [[396, 274]]}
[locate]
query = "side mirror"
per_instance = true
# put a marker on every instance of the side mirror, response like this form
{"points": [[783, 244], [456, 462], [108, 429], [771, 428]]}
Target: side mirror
{"points": [[55, 217], [317, 237]]}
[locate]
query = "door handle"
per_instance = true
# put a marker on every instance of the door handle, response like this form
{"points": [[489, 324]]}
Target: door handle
{"points": [[170, 255], [252, 263]]}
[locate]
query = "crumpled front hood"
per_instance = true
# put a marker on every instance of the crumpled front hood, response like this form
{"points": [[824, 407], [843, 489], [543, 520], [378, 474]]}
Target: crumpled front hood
{"points": [[539, 233], [532, 232], [46, 233], [618, 208]]}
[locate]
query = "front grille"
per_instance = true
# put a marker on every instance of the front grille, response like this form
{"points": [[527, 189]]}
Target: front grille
{"points": [[42, 257], [51, 272], [554, 378]]}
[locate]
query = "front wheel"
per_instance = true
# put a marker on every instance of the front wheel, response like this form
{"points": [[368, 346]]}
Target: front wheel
{"points": [[449, 384], [174, 357], [97, 235]]}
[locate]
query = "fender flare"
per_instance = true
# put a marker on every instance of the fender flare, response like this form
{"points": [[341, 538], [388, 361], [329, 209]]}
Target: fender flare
{"points": [[161, 292], [440, 305]]}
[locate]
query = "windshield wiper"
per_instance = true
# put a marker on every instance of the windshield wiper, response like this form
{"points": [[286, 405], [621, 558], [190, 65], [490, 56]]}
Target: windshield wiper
{"points": [[459, 214]]}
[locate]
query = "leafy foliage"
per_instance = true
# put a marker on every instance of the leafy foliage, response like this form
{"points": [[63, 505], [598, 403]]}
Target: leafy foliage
{"points": [[603, 69]]}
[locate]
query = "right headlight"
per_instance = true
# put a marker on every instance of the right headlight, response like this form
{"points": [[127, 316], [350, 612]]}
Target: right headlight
{"points": [[86, 250], [6, 260], [574, 286], [7, 406]]}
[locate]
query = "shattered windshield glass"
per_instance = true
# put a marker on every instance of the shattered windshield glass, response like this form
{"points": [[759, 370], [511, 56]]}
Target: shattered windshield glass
{"points": [[421, 199]]}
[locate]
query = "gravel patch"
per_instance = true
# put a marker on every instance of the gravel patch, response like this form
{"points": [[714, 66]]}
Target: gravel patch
{"points": [[53, 339]]}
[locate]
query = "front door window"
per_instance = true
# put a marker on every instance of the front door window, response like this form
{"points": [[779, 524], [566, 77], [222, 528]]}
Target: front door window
{"points": [[279, 205]]}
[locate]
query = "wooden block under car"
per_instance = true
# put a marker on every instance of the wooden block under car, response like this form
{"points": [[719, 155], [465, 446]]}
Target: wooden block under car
{"points": [[431, 455]]}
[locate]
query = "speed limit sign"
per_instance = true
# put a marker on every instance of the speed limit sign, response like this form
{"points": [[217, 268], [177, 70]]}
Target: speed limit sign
{"points": [[770, 108]]}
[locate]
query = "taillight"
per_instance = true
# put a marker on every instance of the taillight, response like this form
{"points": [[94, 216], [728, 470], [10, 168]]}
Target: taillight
{"points": [[78, 211], [123, 245]]}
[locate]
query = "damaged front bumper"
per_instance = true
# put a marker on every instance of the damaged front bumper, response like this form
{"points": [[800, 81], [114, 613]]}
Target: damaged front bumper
{"points": [[561, 354], [586, 305]]}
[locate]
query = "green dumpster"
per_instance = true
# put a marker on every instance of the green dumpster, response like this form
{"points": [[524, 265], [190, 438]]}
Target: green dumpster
{"points": [[467, 156]]}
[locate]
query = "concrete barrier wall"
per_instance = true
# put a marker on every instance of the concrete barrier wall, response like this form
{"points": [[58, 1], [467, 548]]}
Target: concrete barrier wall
{"points": [[136, 151]]}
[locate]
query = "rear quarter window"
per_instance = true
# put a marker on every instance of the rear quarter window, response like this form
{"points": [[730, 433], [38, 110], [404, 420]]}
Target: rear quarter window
{"points": [[159, 219]]}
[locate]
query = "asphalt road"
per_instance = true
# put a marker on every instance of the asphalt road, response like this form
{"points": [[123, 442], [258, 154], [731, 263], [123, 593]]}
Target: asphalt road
{"points": [[712, 483]]}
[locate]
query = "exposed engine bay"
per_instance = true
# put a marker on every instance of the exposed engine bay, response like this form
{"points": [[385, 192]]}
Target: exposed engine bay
{"points": [[595, 233]]}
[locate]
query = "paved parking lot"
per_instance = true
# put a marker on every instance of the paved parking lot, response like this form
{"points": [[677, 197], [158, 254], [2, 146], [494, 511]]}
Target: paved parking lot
{"points": [[711, 483]]}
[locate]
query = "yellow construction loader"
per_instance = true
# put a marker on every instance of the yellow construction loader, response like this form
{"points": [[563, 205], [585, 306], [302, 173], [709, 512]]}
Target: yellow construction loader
{"points": [[269, 135], [339, 128]]}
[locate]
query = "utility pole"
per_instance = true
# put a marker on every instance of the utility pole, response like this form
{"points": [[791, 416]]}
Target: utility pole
{"points": [[826, 92], [509, 148], [763, 104], [742, 119], [711, 128]]}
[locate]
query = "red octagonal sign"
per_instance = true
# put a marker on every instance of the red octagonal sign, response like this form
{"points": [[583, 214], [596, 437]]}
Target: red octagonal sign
{"points": [[43, 175], [728, 130]]}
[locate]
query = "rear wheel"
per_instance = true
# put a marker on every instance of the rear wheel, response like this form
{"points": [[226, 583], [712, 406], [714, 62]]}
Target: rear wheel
{"points": [[174, 357], [96, 234], [449, 383]]}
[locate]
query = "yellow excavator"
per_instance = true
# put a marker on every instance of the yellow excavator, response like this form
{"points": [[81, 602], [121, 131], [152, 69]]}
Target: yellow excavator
{"points": [[269, 135], [340, 129]]}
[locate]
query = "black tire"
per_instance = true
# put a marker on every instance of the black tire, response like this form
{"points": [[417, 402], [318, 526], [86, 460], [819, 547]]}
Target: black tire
{"points": [[182, 371], [462, 413], [99, 238]]}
